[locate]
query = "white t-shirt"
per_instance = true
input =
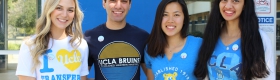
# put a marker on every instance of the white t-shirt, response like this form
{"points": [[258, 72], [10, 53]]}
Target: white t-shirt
{"points": [[269, 57], [61, 61]]}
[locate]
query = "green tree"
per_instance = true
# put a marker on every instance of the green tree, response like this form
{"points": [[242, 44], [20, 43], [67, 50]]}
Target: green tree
{"points": [[22, 15]]}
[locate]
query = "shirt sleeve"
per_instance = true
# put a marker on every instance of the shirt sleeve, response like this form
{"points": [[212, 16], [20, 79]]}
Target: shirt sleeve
{"points": [[147, 59], [84, 67], [90, 58], [25, 62], [142, 57], [269, 56]]}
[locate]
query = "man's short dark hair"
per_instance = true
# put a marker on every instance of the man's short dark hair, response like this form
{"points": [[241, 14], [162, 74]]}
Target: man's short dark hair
{"points": [[129, 1]]}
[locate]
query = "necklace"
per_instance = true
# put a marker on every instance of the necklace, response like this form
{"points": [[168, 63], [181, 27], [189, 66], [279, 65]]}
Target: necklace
{"points": [[173, 49]]}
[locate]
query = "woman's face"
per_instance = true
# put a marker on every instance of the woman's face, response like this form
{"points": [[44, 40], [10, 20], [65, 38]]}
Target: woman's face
{"points": [[231, 9], [63, 15], [173, 19]]}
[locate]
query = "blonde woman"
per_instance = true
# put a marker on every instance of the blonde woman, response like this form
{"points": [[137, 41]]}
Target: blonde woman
{"points": [[57, 51]]}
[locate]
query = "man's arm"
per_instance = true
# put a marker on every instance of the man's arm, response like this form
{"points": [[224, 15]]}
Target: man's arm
{"points": [[143, 65], [89, 68], [150, 75]]}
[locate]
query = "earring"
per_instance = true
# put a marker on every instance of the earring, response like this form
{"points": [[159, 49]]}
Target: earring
{"points": [[73, 26]]}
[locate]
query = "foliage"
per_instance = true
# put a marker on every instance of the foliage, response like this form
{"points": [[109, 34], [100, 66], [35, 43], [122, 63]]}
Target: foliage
{"points": [[22, 14], [13, 46]]}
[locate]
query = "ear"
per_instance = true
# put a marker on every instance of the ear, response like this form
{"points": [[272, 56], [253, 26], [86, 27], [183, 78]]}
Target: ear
{"points": [[129, 6], [103, 4]]}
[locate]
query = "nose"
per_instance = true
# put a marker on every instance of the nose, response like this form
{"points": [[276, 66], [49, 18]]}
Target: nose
{"points": [[170, 19], [64, 13], [118, 4], [228, 5]]}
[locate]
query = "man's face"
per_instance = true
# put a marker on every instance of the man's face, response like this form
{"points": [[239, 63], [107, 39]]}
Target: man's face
{"points": [[116, 9]]}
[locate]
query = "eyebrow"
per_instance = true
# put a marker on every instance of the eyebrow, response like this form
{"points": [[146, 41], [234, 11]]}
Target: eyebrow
{"points": [[62, 6], [173, 12]]}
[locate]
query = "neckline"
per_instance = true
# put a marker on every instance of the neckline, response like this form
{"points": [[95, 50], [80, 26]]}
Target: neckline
{"points": [[106, 28], [181, 51], [66, 38], [220, 42]]}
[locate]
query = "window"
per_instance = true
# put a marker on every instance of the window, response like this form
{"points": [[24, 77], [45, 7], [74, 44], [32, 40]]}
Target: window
{"points": [[17, 21]]}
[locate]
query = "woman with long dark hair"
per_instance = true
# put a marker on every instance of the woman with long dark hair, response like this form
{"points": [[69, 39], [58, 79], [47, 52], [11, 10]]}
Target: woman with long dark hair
{"points": [[233, 46], [171, 54]]}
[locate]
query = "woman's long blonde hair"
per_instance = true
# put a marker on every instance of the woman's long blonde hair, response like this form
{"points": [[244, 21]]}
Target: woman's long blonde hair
{"points": [[40, 43]]}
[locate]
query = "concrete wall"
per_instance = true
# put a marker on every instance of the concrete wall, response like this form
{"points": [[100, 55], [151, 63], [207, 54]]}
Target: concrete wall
{"points": [[198, 7]]}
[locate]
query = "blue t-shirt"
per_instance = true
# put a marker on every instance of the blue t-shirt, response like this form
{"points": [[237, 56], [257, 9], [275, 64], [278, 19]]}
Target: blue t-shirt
{"points": [[116, 54], [225, 62], [180, 66]]}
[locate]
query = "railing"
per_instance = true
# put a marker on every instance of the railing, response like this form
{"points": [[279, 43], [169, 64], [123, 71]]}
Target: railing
{"points": [[7, 52]]}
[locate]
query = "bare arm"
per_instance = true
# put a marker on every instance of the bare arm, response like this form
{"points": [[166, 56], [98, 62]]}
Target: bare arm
{"points": [[150, 75], [83, 78], [26, 78], [89, 68], [143, 65]]}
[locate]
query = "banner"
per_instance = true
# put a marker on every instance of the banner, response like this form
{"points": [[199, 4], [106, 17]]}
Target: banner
{"points": [[266, 12]]}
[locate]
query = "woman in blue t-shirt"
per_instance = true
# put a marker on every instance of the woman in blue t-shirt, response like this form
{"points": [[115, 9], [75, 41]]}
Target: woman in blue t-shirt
{"points": [[233, 46], [171, 54]]}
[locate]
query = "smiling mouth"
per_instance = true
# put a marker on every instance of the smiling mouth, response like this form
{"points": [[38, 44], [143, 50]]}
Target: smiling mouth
{"points": [[117, 12], [62, 20], [170, 27], [229, 13]]}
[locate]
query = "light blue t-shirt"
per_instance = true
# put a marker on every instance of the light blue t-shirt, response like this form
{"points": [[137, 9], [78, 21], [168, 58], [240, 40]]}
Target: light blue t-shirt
{"points": [[225, 62], [180, 66]]}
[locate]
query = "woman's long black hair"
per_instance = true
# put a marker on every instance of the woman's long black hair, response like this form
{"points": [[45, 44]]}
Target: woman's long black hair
{"points": [[157, 41], [252, 51]]}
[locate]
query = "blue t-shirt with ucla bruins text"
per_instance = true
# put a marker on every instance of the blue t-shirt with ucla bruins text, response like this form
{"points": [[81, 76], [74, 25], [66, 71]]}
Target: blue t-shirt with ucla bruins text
{"points": [[225, 62], [180, 66]]}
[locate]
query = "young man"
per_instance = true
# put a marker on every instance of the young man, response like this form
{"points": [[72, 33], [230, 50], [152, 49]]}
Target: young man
{"points": [[116, 48]]}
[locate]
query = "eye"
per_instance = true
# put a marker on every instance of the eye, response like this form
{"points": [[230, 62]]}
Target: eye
{"points": [[176, 15], [124, 1], [58, 8], [165, 14], [235, 0], [70, 10], [223, 0], [112, 0]]}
